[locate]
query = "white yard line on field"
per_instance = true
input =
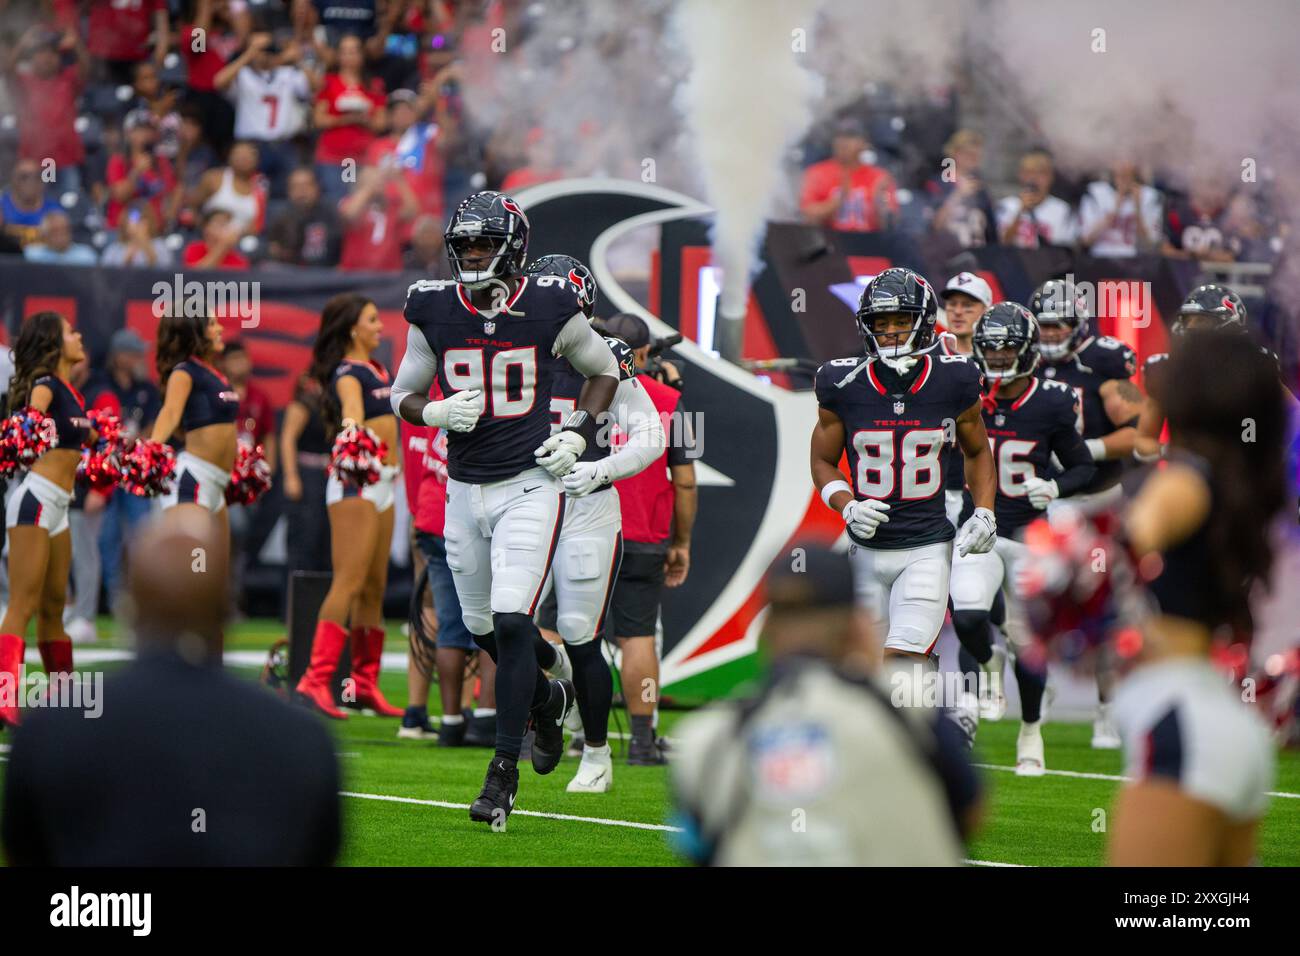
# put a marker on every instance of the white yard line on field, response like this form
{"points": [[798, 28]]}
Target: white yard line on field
{"points": [[446, 805], [602, 821], [1078, 774]]}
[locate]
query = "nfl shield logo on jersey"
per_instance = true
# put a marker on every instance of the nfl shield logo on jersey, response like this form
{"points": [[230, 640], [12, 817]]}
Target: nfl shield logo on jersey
{"points": [[489, 327], [898, 408], [999, 419]]}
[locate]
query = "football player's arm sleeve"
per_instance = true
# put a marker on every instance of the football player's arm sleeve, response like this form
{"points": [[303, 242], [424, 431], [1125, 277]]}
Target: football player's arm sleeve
{"points": [[981, 477], [585, 349], [1074, 457], [639, 418], [414, 378]]}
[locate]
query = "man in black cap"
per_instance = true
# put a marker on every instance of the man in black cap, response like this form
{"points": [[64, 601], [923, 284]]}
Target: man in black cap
{"points": [[818, 768], [184, 765], [658, 507]]}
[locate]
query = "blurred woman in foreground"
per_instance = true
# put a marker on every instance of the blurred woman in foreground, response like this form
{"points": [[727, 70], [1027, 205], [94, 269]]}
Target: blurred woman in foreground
{"points": [[1200, 761]]}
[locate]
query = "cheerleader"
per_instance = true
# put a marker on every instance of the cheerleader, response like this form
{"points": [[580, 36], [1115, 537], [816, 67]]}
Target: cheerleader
{"points": [[200, 401], [1200, 761], [355, 391], [37, 515]]}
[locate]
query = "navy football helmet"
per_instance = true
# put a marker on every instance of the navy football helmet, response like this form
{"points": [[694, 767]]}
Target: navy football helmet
{"points": [[1057, 302], [573, 270], [1006, 325], [1223, 307], [494, 216], [898, 290]]}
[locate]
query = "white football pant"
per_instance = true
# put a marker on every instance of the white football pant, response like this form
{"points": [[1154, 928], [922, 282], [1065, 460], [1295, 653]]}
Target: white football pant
{"points": [[905, 592], [501, 537]]}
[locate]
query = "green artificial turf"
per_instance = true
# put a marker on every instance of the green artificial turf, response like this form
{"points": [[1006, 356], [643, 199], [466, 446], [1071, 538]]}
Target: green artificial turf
{"points": [[1045, 821]]}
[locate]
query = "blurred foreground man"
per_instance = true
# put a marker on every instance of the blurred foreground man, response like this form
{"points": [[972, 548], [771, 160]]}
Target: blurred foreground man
{"points": [[817, 768], [185, 765]]}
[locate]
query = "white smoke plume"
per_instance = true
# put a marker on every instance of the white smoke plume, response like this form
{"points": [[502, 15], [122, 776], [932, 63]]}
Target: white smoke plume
{"points": [[711, 94], [748, 99], [1171, 84]]}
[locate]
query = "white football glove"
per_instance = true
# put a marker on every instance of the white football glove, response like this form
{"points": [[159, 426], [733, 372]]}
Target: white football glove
{"points": [[978, 534], [864, 517], [1041, 491], [559, 453], [459, 412], [586, 477]]}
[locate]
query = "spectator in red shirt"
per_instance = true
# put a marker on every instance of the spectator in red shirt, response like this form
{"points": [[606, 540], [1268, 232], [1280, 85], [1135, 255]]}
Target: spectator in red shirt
{"points": [[349, 113], [119, 34], [415, 145], [210, 37], [47, 91], [255, 419], [372, 220], [845, 193], [139, 173], [216, 250]]}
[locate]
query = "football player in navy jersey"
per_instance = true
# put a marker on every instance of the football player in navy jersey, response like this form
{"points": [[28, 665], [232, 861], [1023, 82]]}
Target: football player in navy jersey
{"points": [[591, 541], [36, 519], [1099, 369], [493, 338], [1029, 420], [896, 412], [1207, 309]]}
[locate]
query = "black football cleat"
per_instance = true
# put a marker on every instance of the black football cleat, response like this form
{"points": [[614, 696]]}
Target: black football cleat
{"points": [[497, 798], [548, 727]]}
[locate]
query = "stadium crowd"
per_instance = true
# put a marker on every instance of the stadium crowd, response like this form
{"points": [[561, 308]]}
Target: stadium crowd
{"points": [[229, 133]]}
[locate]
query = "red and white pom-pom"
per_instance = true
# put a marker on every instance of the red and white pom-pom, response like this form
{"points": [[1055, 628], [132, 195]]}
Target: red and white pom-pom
{"points": [[147, 468], [251, 476], [24, 437], [101, 459], [357, 456]]}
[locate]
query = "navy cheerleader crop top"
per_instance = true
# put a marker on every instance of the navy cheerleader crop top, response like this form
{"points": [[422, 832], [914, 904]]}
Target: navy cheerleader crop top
{"points": [[213, 400], [375, 387], [68, 409]]}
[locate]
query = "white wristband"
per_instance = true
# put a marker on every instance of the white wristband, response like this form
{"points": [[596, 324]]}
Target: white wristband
{"points": [[1096, 448], [832, 488]]}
